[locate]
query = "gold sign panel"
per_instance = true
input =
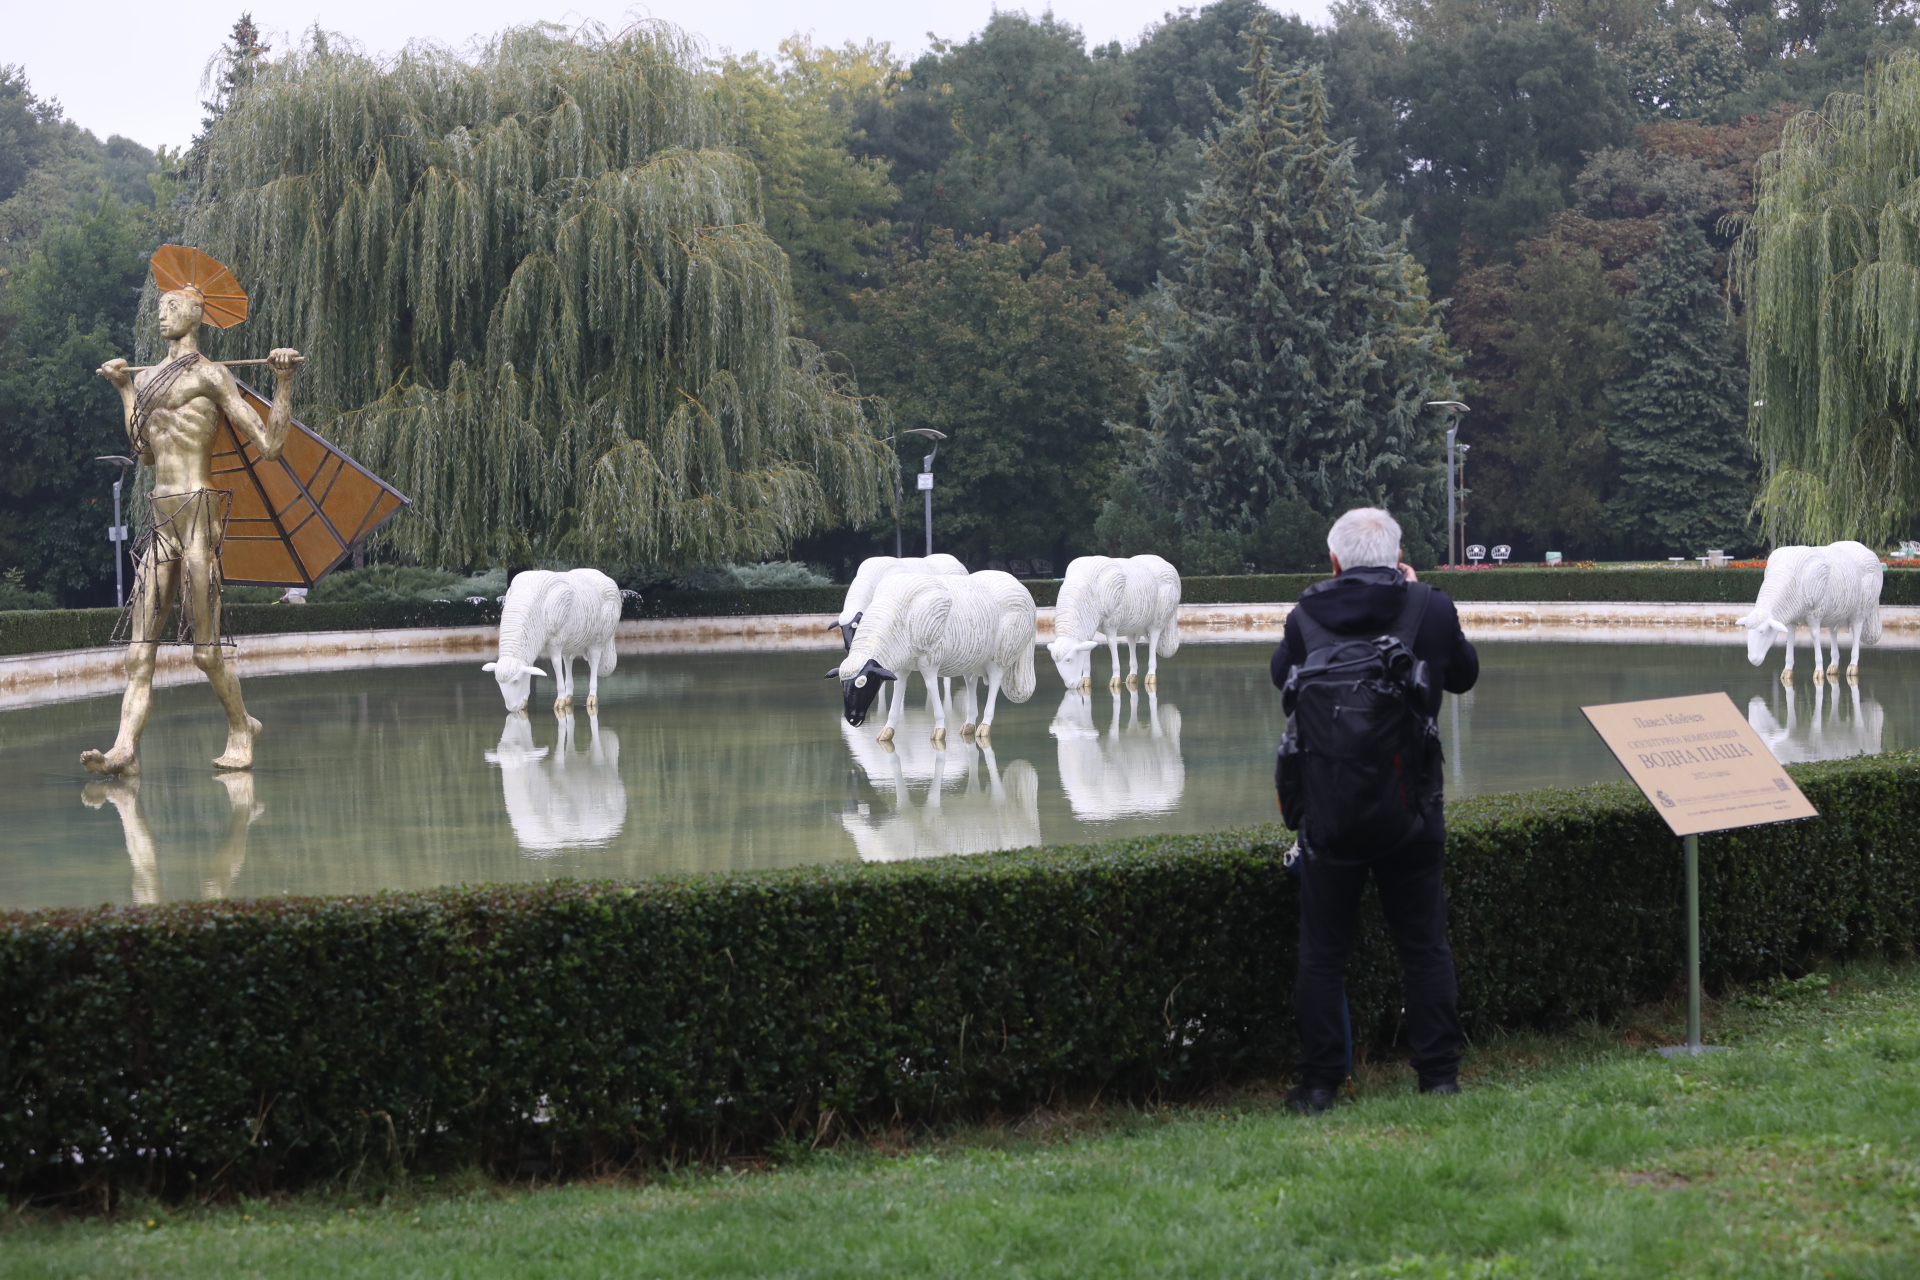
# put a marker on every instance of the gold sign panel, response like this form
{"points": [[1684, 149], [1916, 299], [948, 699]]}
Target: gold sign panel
{"points": [[1700, 763], [295, 518]]}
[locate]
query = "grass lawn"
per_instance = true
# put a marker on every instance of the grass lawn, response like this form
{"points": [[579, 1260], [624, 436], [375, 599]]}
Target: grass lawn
{"points": [[1797, 1154]]}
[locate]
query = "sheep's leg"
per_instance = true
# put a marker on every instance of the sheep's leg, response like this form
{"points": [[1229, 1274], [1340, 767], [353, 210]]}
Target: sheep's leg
{"points": [[985, 731], [895, 711], [593, 683], [1133, 662], [1833, 651], [1786, 672], [939, 709], [562, 682], [1853, 663], [1819, 661], [1153, 661], [972, 717], [1113, 651]]}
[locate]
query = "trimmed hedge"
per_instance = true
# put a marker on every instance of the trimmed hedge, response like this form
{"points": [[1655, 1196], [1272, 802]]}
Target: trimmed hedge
{"points": [[268, 1043], [45, 630]]}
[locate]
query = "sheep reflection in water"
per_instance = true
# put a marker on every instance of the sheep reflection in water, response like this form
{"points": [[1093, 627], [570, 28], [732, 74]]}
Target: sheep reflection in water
{"points": [[562, 799], [1830, 732], [971, 804], [1125, 773], [144, 851]]}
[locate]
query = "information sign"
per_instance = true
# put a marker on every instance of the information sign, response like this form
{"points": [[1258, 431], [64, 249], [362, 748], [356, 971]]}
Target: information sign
{"points": [[1705, 769], [925, 479], [1700, 762]]}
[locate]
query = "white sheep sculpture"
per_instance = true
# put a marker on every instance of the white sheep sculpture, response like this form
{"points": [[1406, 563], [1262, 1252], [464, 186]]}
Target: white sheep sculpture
{"points": [[867, 579], [1126, 602], [564, 616], [979, 625], [1838, 584]]}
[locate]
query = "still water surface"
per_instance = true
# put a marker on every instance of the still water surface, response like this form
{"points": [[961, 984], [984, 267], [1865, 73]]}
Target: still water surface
{"points": [[416, 777]]}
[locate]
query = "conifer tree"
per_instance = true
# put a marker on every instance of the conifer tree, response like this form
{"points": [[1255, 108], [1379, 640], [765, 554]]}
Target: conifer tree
{"points": [[1293, 347], [1684, 479], [536, 293]]}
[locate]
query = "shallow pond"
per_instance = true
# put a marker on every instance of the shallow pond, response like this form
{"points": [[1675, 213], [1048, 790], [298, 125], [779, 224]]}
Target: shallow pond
{"points": [[416, 777]]}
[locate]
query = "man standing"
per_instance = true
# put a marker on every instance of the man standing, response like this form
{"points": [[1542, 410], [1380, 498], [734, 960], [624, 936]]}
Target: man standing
{"points": [[173, 417], [1370, 596]]}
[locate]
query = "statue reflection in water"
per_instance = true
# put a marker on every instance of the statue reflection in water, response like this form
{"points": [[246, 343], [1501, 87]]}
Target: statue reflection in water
{"points": [[561, 799], [972, 805], [1134, 772], [144, 852], [1849, 725]]}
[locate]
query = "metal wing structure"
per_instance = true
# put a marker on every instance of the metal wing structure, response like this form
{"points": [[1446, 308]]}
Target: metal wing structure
{"points": [[297, 517]]}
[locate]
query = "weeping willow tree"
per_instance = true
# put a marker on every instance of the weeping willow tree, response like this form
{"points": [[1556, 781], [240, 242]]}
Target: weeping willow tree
{"points": [[535, 293], [1830, 265]]}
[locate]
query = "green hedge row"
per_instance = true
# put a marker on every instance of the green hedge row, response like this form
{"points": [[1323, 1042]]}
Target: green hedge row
{"points": [[45, 630], [272, 1042]]}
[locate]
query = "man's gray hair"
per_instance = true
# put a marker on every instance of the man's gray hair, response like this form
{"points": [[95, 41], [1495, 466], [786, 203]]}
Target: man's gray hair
{"points": [[1365, 536]]}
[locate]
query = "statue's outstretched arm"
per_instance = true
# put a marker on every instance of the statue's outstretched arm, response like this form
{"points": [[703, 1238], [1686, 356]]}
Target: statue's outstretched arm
{"points": [[268, 437]]}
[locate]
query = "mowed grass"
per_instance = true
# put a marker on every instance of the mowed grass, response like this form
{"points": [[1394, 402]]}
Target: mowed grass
{"points": [[1796, 1154]]}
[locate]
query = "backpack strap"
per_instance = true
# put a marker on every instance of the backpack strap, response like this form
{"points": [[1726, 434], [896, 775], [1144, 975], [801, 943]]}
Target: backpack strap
{"points": [[1405, 628], [1412, 614]]}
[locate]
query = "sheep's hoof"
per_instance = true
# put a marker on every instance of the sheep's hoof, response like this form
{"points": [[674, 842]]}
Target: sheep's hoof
{"points": [[1113, 685], [593, 704], [966, 730], [1086, 683], [1853, 673], [1133, 681], [984, 732], [939, 737], [1153, 682], [1833, 668], [1819, 675], [885, 734], [1786, 677]]}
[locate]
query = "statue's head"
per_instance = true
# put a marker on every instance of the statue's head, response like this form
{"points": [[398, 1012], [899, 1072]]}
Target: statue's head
{"points": [[180, 312]]}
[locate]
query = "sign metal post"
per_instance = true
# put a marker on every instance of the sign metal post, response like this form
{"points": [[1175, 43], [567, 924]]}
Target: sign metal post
{"points": [[1704, 769]]}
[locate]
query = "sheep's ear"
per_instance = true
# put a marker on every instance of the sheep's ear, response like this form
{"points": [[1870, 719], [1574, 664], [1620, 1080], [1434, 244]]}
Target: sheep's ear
{"points": [[489, 666], [833, 626], [1085, 646], [1781, 627], [535, 671], [833, 674], [874, 668]]}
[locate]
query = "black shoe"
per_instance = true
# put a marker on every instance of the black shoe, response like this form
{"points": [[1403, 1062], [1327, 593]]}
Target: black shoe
{"points": [[1442, 1088], [1310, 1099]]}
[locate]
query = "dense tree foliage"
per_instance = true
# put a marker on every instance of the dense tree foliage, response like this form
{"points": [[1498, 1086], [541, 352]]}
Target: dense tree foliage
{"points": [[1021, 361], [535, 293], [1534, 149], [1831, 271], [1292, 346], [1679, 426]]}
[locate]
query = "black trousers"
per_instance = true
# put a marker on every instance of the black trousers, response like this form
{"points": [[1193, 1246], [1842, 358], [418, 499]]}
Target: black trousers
{"points": [[1416, 910]]}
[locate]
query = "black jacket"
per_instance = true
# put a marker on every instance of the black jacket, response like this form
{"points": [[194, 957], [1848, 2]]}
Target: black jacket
{"points": [[1366, 603]]}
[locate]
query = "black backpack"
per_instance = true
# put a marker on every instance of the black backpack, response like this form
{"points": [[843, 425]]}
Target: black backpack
{"points": [[1359, 767]]}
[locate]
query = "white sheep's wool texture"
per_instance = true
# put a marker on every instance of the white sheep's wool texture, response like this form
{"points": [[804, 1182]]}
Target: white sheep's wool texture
{"points": [[1127, 601], [979, 625], [1832, 586], [877, 569], [561, 616]]}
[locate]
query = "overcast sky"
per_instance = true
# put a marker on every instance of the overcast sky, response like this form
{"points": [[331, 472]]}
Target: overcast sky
{"points": [[136, 69]]}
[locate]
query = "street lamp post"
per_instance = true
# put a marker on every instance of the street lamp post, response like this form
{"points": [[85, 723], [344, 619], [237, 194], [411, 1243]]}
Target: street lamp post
{"points": [[117, 532], [1456, 409], [926, 484]]}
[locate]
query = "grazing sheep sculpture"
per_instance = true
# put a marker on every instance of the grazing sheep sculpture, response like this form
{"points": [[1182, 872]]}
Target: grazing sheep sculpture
{"points": [[877, 569], [1820, 587], [565, 616], [1127, 602], [979, 625]]}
